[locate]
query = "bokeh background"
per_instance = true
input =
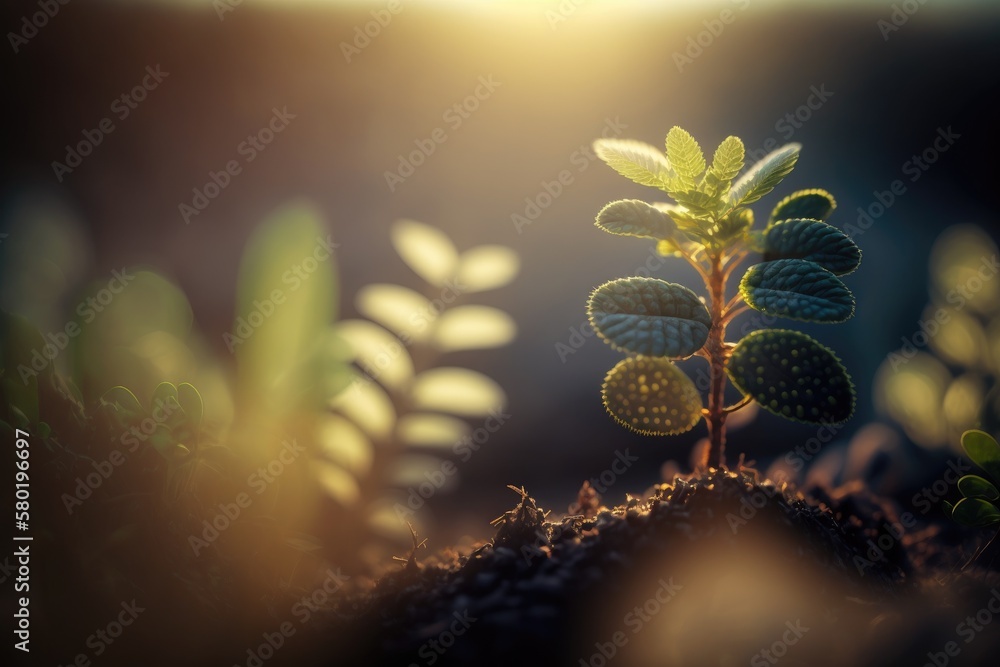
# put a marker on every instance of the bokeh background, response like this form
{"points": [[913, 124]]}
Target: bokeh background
{"points": [[564, 72]]}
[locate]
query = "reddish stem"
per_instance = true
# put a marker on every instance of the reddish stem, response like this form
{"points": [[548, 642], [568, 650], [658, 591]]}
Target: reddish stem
{"points": [[717, 353]]}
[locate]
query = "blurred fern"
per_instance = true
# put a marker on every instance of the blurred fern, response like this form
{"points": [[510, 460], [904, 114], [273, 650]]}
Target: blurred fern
{"points": [[402, 412]]}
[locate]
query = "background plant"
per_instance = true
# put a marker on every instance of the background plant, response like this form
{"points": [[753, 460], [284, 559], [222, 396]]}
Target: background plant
{"points": [[942, 381], [711, 227], [403, 411], [978, 507]]}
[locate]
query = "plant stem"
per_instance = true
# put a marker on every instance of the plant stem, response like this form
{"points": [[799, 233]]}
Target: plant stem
{"points": [[717, 353]]}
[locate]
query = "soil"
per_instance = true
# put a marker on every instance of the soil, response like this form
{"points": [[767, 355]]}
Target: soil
{"points": [[723, 568]]}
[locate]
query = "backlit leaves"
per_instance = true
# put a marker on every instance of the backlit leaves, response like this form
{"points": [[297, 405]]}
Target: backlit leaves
{"points": [[650, 317], [652, 396], [400, 309], [486, 267], [814, 204], [764, 176], [457, 390], [425, 249], [726, 164], [635, 160], [790, 374], [472, 328], [685, 156], [711, 226], [631, 217], [431, 318]]}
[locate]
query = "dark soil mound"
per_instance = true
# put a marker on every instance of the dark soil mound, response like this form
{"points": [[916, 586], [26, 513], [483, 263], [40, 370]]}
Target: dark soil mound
{"points": [[719, 569]]}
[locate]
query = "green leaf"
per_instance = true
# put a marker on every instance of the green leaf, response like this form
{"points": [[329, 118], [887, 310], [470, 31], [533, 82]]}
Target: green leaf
{"points": [[793, 376], [798, 290], [764, 176], [649, 316], [652, 396], [984, 451], [975, 512], [631, 217], [696, 201], [635, 160], [974, 486], [726, 164], [124, 401], [734, 225], [813, 241], [685, 156], [814, 204], [164, 394], [190, 400], [272, 363]]}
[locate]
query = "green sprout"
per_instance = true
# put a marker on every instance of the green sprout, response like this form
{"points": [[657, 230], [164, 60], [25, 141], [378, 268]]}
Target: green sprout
{"points": [[709, 225], [978, 506]]}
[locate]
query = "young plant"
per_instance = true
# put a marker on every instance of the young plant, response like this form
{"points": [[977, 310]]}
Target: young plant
{"points": [[980, 497], [709, 225]]}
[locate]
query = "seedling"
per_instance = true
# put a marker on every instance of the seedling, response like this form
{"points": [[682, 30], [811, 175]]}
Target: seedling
{"points": [[709, 225], [980, 497]]}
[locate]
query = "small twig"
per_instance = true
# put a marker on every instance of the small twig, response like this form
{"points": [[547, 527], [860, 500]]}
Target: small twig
{"points": [[732, 262], [411, 560], [736, 406], [734, 313], [979, 552]]}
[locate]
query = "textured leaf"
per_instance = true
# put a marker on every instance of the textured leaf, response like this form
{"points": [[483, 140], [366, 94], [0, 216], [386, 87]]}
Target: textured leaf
{"points": [[487, 267], [764, 176], [652, 396], [793, 376], [814, 204], [696, 201], [734, 225], [798, 290], [649, 316], [984, 451], [685, 156], [975, 512], [813, 241], [728, 160], [635, 160], [631, 217], [974, 486], [473, 328], [425, 249]]}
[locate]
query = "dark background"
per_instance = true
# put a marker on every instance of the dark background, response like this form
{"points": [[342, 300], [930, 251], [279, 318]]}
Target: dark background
{"points": [[558, 85]]}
